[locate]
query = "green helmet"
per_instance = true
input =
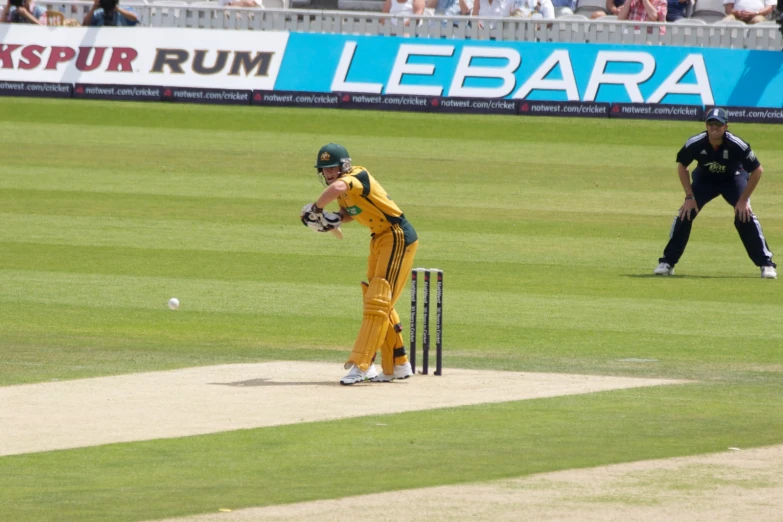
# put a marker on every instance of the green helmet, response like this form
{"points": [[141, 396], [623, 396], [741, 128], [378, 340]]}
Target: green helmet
{"points": [[333, 155]]}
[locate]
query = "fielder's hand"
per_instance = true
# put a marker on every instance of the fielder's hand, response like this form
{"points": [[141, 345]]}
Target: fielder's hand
{"points": [[742, 208], [688, 210]]}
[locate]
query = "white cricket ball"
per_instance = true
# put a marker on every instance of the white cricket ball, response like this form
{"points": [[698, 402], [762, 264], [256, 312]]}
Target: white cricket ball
{"points": [[173, 303]]}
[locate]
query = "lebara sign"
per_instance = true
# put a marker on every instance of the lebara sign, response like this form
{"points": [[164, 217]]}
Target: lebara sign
{"points": [[532, 71]]}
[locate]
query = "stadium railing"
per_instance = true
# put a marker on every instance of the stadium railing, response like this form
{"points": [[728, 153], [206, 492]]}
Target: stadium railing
{"points": [[199, 15]]}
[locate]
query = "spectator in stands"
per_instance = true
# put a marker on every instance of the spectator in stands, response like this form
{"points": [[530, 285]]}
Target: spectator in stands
{"points": [[677, 9], [450, 7], [748, 11], [564, 7], [240, 3], [612, 8], [403, 7], [645, 11], [492, 9], [23, 12], [109, 13], [537, 9]]}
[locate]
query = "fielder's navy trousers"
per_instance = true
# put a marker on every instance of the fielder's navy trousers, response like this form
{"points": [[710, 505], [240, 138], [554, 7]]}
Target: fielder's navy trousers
{"points": [[707, 187]]}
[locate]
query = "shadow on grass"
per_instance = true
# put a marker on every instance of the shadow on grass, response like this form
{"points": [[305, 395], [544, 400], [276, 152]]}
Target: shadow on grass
{"points": [[680, 276], [267, 382]]}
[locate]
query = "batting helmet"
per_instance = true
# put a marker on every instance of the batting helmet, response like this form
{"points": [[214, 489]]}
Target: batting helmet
{"points": [[333, 155]]}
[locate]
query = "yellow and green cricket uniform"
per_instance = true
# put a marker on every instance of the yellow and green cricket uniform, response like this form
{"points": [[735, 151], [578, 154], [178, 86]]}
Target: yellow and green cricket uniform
{"points": [[392, 250]]}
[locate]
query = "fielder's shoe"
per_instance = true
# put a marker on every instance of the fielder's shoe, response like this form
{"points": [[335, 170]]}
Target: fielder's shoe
{"points": [[664, 268], [769, 272], [357, 375], [401, 371]]}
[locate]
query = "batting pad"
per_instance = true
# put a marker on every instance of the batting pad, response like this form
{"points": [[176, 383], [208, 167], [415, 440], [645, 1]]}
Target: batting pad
{"points": [[393, 340], [377, 305]]}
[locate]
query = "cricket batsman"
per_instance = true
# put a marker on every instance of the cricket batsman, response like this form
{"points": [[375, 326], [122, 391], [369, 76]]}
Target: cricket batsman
{"points": [[393, 247]]}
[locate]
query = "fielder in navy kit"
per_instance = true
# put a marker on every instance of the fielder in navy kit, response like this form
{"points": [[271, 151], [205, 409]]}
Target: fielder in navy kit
{"points": [[724, 161]]}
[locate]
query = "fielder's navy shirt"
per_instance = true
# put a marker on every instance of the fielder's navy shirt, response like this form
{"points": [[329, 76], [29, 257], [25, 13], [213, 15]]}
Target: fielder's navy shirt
{"points": [[733, 155]]}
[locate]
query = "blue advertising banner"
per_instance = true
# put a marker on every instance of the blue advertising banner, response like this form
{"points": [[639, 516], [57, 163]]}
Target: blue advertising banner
{"points": [[556, 72]]}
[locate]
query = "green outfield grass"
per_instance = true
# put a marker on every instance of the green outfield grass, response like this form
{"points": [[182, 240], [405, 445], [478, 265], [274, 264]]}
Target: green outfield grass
{"points": [[547, 229]]}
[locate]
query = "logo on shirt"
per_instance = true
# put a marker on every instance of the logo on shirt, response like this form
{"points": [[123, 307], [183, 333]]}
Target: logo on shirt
{"points": [[354, 210], [751, 156], [715, 167], [704, 152], [725, 154]]}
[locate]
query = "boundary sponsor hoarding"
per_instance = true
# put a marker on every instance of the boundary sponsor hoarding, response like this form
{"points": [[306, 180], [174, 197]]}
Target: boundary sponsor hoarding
{"points": [[382, 102], [365, 67], [393, 102], [474, 105], [93, 91], [143, 56], [36, 89], [656, 112], [296, 99], [532, 71], [277, 68], [201, 95], [752, 114], [575, 109]]}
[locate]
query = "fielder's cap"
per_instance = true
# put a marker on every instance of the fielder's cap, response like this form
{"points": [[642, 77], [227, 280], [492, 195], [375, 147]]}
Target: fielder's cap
{"points": [[717, 114]]}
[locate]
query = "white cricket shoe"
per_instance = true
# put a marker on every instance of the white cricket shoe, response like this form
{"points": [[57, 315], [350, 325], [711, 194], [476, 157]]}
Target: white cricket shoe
{"points": [[357, 375], [664, 269], [769, 272], [401, 371]]}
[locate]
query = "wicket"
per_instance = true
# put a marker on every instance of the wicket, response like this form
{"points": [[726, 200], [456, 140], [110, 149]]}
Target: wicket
{"points": [[425, 337]]}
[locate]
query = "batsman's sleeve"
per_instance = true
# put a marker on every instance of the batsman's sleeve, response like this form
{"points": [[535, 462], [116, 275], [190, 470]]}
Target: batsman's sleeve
{"points": [[358, 183]]}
